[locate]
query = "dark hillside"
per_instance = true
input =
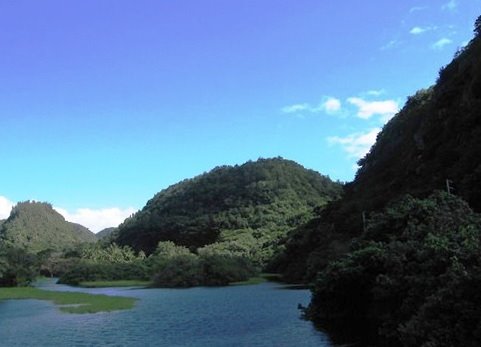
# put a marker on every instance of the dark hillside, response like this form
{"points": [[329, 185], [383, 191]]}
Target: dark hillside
{"points": [[408, 270], [433, 140], [105, 233], [435, 137]]}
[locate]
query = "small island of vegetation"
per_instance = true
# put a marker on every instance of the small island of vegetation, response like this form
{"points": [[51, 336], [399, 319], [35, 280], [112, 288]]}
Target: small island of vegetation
{"points": [[70, 302]]}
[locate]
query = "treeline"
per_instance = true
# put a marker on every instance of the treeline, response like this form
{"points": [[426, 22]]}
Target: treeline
{"points": [[169, 266]]}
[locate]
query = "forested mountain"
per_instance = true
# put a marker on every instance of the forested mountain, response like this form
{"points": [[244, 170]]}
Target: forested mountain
{"points": [[252, 205], [433, 141], [36, 226], [396, 257], [105, 232]]}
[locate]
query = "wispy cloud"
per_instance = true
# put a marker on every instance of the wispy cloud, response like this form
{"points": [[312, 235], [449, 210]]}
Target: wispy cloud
{"points": [[420, 30], [441, 43], [356, 145], [390, 45], [450, 6], [366, 109], [97, 219], [5, 207], [329, 105], [418, 8], [295, 108], [376, 92]]}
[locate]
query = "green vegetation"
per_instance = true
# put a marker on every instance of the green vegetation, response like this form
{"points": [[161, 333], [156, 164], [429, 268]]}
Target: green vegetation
{"points": [[412, 279], [119, 283], [233, 221], [36, 226], [105, 233], [176, 266], [100, 262], [434, 138], [249, 208], [406, 274], [70, 302], [169, 266], [17, 267]]}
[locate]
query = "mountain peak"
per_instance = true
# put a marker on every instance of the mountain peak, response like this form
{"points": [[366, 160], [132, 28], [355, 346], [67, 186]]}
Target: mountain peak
{"points": [[37, 226]]}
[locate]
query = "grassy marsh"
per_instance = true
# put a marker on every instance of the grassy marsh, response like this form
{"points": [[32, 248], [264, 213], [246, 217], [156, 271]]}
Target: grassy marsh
{"points": [[70, 302]]}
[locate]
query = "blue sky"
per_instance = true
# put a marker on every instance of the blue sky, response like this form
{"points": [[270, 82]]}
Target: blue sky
{"points": [[105, 103]]}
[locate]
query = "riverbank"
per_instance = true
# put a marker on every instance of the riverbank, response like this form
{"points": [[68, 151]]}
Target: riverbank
{"points": [[115, 284]]}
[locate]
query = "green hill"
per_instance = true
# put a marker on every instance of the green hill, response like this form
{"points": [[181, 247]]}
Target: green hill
{"points": [[105, 233], [37, 226], [253, 204], [434, 138]]}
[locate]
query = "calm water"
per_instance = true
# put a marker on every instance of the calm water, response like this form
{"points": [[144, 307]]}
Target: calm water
{"points": [[259, 315]]}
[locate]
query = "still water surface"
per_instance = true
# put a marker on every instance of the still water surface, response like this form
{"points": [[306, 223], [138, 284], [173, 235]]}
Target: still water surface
{"points": [[257, 315]]}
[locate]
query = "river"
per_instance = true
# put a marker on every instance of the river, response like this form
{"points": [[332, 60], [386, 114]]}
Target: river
{"points": [[256, 315]]}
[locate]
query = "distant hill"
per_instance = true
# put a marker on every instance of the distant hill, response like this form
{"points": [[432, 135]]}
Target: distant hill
{"points": [[37, 226], [432, 142], [254, 203], [105, 232]]}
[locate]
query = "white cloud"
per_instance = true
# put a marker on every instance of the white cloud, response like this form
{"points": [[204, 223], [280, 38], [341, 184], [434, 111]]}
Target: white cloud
{"points": [[441, 43], [418, 30], [99, 219], [5, 207], [295, 108], [356, 145], [366, 109], [329, 105], [450, 6]]}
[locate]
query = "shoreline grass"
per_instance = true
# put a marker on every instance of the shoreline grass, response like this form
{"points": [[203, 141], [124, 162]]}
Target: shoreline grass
{"points": [[118, 283], [70, 302], [263, 277]]}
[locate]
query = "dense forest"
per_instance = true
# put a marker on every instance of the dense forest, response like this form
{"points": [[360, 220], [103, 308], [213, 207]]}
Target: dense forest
{"points": [[404, 261], [432, 142], [248, 208]]}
